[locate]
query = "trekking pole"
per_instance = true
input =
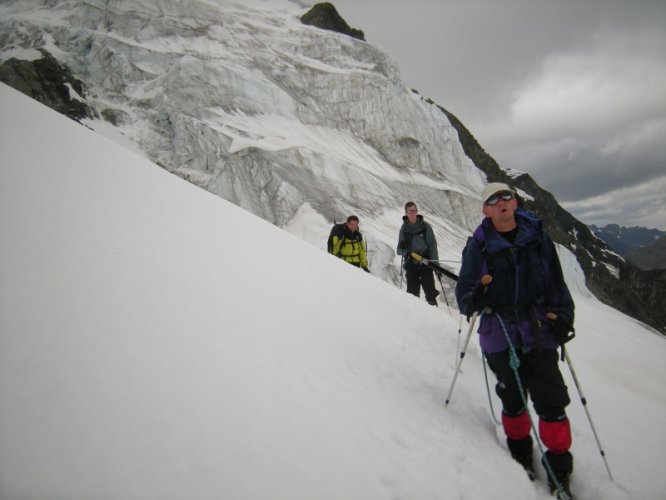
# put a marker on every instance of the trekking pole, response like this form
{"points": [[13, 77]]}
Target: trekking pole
{"points": [[587, 412], [439, 276], [490, 399], [458, 340], [485, 281], [462, 356], [402, 264]]}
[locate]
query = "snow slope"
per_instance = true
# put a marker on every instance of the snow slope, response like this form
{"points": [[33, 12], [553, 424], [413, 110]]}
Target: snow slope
{"points": [[157, 341]]}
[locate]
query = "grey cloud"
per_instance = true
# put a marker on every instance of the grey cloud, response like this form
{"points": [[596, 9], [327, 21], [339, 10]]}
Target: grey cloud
{"points": [[589, 170], [641, 205], [591, 174]]}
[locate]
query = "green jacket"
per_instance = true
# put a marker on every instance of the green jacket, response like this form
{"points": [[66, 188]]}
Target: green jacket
{"points": [[351, 248]]}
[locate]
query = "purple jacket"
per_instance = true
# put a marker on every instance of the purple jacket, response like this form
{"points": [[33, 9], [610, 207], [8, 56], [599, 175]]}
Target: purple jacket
{"points": [[527, 283]]}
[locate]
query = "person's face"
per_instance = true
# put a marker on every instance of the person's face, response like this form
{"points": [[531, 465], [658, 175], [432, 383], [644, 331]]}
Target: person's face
{"points": [[412, 213], [501, 212], [352, 225]]}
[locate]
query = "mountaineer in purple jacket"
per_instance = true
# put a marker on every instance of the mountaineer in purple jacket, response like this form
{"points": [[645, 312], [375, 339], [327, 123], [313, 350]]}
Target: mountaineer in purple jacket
{"points": [[527, 283]]}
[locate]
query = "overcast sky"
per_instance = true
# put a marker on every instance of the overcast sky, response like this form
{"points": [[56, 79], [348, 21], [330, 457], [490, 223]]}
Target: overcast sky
{"points": [[571, 91]]}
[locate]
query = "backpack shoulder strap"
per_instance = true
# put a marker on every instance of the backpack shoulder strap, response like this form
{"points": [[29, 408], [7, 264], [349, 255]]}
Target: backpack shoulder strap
{"points": [[339, 231], [479, 237], [335, 231]]}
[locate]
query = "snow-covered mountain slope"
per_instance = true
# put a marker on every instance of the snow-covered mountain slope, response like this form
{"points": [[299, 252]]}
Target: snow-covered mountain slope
{"points": [[157, 341], [285, 120], [298, 125]]}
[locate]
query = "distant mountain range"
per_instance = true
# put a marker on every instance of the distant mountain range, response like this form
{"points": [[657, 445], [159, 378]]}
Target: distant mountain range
{"points": [[644, 247], [651, 256]]}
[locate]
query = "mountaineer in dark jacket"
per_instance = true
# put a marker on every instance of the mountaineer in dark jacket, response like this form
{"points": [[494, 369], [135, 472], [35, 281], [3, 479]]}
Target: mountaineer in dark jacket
{"points": [[528, 302], [417, 236]]}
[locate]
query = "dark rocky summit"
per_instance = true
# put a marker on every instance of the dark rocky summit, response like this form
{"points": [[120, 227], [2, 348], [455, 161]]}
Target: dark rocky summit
{"points": [[325, 16]]}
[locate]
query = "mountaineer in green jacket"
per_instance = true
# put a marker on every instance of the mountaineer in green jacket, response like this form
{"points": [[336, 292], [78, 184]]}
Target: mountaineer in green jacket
{"points": [[346, 242]]}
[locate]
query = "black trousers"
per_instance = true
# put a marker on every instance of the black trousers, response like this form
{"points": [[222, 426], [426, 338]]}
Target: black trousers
{"points": [[540, 377], [419, 276]]}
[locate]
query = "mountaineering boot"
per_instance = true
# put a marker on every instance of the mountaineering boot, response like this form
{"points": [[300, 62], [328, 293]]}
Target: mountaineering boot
{"points": [[521, 452], [562, 467], [564, 491]]}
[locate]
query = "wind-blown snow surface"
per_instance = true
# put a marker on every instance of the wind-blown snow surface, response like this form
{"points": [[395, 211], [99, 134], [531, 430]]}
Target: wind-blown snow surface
{"points": [[157, 341]]}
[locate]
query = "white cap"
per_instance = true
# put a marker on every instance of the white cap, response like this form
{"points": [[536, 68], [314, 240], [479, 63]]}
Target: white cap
{"points": [[494, 187]]}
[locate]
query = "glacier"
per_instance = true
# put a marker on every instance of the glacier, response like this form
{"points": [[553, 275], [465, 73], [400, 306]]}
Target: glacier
{"points": [[277, 117]]}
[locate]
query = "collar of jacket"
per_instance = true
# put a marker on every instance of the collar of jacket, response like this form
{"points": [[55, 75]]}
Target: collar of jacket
{"points": [[529, 233], [353, 236], [413, 228]]}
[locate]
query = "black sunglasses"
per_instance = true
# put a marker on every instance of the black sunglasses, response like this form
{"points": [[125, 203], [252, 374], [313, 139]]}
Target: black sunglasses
{"points": [[502, 195]]}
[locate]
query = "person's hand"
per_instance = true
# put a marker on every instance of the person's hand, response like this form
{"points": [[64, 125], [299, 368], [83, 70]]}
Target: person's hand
{"points": [[563, 332], [478, 301], [419, 258]]}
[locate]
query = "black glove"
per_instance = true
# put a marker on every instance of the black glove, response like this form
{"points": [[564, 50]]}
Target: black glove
{"points": [[563, 332], [366, 269], [477, 301], [402, 245]]}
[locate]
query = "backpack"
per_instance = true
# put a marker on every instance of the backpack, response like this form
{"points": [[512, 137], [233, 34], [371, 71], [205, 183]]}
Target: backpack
{"points": [[339, 231]]}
